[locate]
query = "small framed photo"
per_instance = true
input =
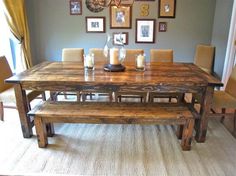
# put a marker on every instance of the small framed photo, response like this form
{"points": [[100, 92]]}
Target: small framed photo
{"points": [[162, 26], [95, 24], [145, 31], [166, 8], [120, 17], [75, 7], [120, 38]]}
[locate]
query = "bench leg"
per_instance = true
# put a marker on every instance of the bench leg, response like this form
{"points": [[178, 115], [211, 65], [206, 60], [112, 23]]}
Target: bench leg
{"points": [[50, 129], [187, 135], [41, 132]]}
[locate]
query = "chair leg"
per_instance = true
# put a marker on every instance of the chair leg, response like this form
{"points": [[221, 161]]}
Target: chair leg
{"points": [[141, 99], [116, 97], [43, 96], [150, 98], [119, 98], [1, 111], [78, 96], [234, 131], [110, 97], [223, 110], [65, 96], [84, 97], [53, 96]]}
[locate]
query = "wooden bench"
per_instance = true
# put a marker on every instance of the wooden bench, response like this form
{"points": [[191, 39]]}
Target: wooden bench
{"points": [[113, 113]]}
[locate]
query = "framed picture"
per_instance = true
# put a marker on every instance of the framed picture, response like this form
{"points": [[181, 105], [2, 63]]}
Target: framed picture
{"points": [[95, 24], [145, 31], [126, 2], [75, 7], [120, 17], [167, 8], [162, 26], [120, 38]]}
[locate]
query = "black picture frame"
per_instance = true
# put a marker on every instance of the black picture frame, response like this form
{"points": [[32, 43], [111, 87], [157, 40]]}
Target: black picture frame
{"points": [[95, 24], [145, 31]]}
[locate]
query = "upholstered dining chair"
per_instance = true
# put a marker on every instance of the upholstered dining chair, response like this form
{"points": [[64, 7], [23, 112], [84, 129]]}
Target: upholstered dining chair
{"points": [[7, 94], [226, 100], [131, 55], [72, 54], [161, 55], [166, 56], [99, 57], [130, 62], [204, 57]]}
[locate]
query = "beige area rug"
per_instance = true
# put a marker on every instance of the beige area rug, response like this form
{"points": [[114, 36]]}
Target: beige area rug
{"points": [[86, 149]]}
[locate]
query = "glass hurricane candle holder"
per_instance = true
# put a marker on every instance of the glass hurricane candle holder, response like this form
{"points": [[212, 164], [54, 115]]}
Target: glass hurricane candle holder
{"points": [[140, 62], [115, 54], [89, 61]]}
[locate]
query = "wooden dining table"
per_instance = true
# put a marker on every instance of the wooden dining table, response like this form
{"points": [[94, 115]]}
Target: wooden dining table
{"points": [[157, 77]]}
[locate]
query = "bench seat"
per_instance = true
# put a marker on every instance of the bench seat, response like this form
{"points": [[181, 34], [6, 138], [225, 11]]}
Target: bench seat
{"points": [[113, 113]]}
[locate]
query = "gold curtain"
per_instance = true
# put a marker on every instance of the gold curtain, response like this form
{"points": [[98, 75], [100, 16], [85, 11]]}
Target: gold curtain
{"points": [[15, 13]]}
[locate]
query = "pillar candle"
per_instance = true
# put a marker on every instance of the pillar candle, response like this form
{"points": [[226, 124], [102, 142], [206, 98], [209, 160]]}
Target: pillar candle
{"points": [[114, 56], [89, 61], [140, 61]]}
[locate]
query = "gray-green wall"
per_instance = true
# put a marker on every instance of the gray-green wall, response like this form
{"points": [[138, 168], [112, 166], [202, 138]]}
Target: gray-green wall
{"points": [[220, 32], [53, 28]]}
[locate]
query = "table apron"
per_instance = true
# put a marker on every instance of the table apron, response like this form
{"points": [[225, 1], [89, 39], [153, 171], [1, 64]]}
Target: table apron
{"points": [[114, 88]]}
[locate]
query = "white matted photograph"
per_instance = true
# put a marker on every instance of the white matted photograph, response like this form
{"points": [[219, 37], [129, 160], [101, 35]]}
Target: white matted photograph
{"points": [[145, 31], [95, 24], [120, 38]]}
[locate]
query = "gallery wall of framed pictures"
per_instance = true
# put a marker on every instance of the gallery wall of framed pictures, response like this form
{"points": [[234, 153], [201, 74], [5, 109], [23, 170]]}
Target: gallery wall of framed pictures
{"points": [[121, 18]]}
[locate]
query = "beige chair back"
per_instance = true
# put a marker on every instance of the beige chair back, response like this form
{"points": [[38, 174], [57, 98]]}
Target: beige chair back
{"points": [[231, 84], [5, 72], [73, 54], [98, 55], [131, 55], [161, 55], [204, 57]]}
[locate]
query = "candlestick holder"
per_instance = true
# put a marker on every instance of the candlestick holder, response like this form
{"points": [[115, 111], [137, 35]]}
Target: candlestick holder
{"points": [[115, 55]]}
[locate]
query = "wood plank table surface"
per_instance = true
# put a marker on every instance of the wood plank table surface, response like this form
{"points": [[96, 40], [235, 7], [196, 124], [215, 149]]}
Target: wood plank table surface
{"points": [[158, 77]]}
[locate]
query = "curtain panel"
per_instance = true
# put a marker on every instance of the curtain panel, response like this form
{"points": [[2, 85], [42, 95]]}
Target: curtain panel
{"points": [[15, 13]]}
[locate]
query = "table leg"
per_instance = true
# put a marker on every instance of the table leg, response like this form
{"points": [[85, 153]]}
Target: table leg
{"points": [[23, 109], [202, 123]]}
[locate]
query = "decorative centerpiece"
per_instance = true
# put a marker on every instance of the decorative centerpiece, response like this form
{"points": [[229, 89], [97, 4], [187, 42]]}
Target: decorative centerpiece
{"points": [[89, 61], [140, 62], [115, 55]]}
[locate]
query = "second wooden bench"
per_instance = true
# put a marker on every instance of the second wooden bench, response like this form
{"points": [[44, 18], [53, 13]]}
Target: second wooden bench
{"points": [[113, 113]]}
